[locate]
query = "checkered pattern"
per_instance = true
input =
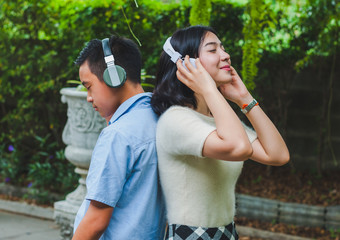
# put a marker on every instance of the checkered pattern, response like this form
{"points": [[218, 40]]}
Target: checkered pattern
{"points": [[183, 232]]}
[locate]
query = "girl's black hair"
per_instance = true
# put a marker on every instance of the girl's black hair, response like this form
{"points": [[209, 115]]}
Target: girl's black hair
{"points": [[169, 90]]}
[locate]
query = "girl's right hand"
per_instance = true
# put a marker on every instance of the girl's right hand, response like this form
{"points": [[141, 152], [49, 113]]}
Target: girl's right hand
{"points": [[197, 79], [236, 91]]}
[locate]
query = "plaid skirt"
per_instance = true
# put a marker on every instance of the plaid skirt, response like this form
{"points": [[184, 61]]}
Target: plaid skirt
{"points": [[183, 232]]}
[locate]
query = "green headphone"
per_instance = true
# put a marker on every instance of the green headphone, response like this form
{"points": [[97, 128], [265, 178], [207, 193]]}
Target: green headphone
{"points": [[114, 75]]}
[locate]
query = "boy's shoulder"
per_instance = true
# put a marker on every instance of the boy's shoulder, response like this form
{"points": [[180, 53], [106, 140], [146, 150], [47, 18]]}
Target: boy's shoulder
{"points": [[135, 126]]}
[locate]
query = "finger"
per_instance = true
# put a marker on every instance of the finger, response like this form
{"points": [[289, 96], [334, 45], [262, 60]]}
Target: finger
{"points": [[235, 74], [233, 71], [181, 78], [179, 65], [201, 69], [198, 63], [188, 64], [182, 70]]}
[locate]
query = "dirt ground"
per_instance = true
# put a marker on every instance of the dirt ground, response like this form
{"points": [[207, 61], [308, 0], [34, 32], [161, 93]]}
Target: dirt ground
{"points": [[285, 184]]}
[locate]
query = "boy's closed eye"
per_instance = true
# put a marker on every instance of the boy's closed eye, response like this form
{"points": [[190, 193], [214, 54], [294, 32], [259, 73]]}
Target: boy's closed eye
{"points": [[86, 85]]}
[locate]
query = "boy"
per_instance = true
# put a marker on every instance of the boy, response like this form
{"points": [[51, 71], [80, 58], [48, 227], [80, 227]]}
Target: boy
{"points": [[123, 198]]}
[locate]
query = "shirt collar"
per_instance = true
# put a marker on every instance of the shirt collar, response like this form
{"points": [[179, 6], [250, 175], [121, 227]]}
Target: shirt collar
{"points": [[125, 106]]}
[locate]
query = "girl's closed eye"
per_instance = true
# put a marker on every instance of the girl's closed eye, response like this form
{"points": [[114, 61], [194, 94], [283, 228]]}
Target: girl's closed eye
{"points": [[223, 49]]}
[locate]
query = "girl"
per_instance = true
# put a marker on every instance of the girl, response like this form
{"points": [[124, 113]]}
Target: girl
{"points": [[201, 143]]}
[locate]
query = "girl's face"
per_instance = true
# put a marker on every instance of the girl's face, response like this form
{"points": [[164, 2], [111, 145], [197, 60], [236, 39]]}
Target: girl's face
{"points": [[214, 59]]}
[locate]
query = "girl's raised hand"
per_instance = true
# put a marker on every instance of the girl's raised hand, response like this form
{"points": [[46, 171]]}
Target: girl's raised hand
{"points": [[197, 79], [235, 91]]}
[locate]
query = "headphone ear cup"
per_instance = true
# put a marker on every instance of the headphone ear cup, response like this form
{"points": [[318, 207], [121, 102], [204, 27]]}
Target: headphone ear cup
{"points": [[121, 75], [106, 77]]}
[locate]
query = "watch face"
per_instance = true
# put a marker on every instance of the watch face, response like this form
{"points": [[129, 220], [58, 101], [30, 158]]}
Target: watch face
{"points": [[250, 106]]}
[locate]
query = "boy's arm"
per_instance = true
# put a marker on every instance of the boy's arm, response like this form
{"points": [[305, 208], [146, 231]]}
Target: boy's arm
{"points": [[95, 221]]}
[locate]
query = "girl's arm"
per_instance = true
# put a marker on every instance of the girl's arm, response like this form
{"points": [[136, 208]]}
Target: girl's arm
{"points": [[270, 147], [229, 141]]}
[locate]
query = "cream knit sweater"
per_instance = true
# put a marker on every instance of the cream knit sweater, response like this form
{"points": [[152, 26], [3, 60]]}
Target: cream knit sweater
{"points": [[198, 191]]}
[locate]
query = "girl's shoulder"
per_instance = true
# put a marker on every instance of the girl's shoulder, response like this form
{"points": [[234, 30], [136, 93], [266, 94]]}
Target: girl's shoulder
{"points": [[176, 113], [183, 112], [179, 117], [176, 109]]}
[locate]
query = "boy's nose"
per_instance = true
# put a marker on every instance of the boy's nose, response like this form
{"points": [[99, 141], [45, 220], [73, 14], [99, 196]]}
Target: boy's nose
{"points": [[89, 98]]}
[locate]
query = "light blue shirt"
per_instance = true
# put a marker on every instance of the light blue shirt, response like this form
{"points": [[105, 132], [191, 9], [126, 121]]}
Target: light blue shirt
{"points": [[123, 174]]}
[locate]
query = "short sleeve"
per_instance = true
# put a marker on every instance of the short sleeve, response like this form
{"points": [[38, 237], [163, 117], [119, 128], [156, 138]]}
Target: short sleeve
{"points": [[182, 131], [250, 132], [109, 168]]}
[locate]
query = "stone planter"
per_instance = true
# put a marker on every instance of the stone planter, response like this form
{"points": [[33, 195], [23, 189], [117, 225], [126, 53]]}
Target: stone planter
{"points": [[80, 134]]}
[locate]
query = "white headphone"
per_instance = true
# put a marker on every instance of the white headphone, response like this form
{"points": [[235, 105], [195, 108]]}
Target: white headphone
{"points": [[167, 47]]}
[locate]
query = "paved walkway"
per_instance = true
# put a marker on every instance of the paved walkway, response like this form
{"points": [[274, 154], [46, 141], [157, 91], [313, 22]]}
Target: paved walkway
{"points": [[15, 226], [38, 224], [20, 227]]}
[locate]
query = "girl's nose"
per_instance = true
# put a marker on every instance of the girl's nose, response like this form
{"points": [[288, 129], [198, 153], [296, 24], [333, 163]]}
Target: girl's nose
{"points": [[225, 57]]}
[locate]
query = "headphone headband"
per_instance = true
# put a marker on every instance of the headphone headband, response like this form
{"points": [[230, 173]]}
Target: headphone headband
{"points": [[174, 55], [167, 47], [106, 47]]}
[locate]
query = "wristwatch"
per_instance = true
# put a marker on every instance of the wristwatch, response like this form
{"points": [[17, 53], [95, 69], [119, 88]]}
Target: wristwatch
{"points": [[246, 108]]}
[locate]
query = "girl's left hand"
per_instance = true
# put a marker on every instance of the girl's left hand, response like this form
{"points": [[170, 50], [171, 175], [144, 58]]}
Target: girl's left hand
{"points": [[236, 91], [197, 79]]}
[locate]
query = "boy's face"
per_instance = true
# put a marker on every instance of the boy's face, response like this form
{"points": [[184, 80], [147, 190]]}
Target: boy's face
{"points": [[104, 99]]}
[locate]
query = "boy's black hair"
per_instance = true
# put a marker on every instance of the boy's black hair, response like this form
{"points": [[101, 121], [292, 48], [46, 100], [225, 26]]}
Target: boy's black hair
{"points": [[125, 52], [169, 90]]}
